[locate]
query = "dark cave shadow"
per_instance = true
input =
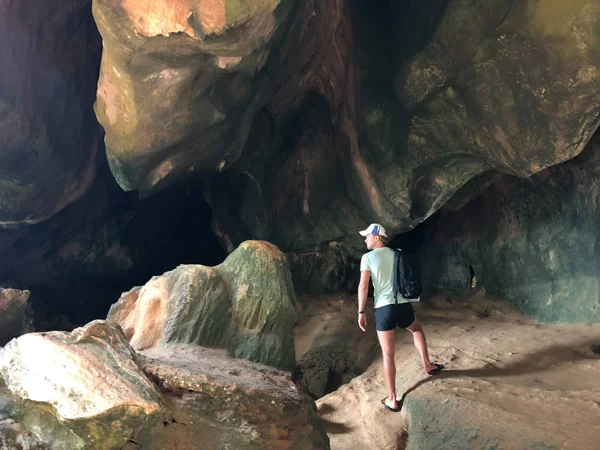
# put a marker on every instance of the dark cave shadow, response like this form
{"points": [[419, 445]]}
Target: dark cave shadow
{"points": [[536, 362]]}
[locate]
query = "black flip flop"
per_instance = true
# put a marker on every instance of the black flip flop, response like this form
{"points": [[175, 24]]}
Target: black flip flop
{"points": [[387, 407], [438, 369]]}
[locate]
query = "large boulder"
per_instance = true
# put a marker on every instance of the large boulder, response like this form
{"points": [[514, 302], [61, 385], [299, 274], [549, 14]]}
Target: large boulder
{"points": [[229, 403], [533, 242], [90, 390], [245, 304], [79, 390]]}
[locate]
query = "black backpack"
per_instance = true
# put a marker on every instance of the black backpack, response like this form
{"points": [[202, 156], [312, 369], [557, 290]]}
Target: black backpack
{"points": [[407, 275]]}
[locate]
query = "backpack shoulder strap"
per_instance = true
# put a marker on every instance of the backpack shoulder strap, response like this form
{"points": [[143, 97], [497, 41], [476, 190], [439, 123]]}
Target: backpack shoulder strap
{"points": [[396, 282]]}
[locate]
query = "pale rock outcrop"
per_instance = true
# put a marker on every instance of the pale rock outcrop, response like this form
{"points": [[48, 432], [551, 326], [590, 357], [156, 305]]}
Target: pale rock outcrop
{"points": [[87, 383], [229, 403], [90, 390]]}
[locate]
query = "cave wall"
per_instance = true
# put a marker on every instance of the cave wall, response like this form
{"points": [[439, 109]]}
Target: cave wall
{"points": [[534, 242], [298, 122], [423, 97], [50, 142]]}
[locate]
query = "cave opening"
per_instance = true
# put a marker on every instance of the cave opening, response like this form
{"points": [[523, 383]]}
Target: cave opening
{"points": [[410, 241], [132, 241]]}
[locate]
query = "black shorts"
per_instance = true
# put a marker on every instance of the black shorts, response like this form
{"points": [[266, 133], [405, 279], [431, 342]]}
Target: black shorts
{"points": [[391, 316]]}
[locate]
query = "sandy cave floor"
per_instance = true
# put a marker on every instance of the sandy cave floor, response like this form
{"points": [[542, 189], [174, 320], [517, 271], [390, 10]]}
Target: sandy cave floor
{"points": [[506, 377]]}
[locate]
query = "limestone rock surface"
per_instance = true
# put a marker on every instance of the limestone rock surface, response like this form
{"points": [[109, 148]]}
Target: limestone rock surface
{"points": [[229, 403], [83, 388], [416, 99], [245, 304], [534, 243], [90, 390]]}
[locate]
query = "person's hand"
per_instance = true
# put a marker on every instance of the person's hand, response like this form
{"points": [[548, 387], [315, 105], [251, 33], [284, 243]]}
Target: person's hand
{"points": [[362, 322]]}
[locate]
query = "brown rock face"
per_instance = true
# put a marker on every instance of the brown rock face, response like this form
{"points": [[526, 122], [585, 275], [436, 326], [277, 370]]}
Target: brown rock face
{"points": [[419, 102], [434, 104], [13, 314], [49, 138], [179, 84]]}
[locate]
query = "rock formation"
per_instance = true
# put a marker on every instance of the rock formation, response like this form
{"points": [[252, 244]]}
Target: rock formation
{"points": [[245, 304], [514, 91], [96, 395], [306, 120], [89, 389]]}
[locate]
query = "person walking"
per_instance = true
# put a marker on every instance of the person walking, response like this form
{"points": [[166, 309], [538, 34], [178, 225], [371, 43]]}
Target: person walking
{"points": [[378, 265]]}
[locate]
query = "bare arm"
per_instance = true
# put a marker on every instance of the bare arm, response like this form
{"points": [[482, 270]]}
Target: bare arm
{"points": [[363, 290]]}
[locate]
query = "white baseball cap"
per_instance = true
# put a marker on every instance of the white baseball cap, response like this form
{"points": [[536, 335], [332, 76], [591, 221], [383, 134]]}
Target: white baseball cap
{"points": [[374, 228]]}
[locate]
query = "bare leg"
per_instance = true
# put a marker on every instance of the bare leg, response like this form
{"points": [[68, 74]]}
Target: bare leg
{"points": [[421, 344], [386, 341]]}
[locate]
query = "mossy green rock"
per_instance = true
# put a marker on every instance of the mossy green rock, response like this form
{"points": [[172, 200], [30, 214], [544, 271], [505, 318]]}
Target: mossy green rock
{"points": [[402, 108], [263, 316], [458, 424], [188, 305]]}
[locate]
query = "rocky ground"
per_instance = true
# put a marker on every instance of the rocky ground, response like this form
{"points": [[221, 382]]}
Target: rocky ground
{"points": [[510, 383]]}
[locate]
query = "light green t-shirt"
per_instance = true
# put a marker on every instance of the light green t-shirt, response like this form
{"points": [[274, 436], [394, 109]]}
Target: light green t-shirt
{"points": [[380, 262]]}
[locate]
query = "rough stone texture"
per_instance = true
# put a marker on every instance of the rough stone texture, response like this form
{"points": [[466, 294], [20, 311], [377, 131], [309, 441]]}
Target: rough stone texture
{"points": [[229, 403], [509, 383], [80, 390], [179, 84], [533, 242], [330, 348], [187, 305], [263, 314], [90, 391], [330, 270], [245, 304], [415, 100], [14, 320], [14, 435], [49, 137]]}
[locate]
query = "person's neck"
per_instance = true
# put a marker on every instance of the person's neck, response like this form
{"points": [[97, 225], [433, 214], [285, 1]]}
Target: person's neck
{"points": [[378, 245]]}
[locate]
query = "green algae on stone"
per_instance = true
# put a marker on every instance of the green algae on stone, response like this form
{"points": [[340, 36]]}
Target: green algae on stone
{"points": [[532, 242], [263, 298]]}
